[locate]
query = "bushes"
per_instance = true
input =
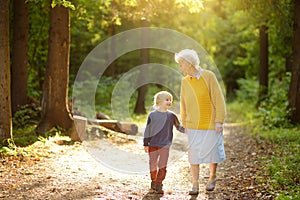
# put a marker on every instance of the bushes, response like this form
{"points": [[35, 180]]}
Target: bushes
{"points": [[283, 167], [273, 111], [281, 172], [27, 115]]}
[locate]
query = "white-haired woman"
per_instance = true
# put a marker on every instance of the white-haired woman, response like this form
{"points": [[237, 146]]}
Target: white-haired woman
{"points": [[202, 110]]}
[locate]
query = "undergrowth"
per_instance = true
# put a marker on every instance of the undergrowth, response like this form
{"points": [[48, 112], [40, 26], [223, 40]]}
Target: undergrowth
{"points": [[280, 175]]}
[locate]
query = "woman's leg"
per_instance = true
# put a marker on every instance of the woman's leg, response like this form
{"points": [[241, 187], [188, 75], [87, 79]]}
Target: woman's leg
{"points": [[212, 177], [213, 171], [195, 179], [195, 175]]}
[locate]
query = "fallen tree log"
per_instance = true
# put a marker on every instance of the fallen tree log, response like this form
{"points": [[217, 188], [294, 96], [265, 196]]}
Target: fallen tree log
{"points": [[80, 126], [122, 127]]}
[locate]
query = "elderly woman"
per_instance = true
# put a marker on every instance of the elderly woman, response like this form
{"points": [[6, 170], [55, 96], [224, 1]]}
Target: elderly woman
{"points": [[202, 110]]}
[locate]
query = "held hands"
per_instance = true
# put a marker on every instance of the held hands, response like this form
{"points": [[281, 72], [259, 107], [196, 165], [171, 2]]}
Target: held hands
{"points": [[219, 128]]}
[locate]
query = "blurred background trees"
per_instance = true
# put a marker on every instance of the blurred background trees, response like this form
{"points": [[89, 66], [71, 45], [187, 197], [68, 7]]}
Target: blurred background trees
{"points": [[253, 43]]}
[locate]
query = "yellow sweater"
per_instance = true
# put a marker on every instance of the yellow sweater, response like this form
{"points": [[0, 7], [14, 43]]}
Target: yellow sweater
{"points": [[202, 103]]}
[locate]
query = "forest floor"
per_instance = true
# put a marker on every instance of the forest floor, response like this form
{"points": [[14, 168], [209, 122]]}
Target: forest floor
{"points": [[70, 171]]}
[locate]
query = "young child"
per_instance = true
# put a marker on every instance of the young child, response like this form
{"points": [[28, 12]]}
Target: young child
{"points": [[158, 138]]}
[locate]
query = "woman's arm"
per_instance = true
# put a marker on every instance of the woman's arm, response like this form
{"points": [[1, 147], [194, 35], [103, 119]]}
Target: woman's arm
{"points": [[217, 99], [182, 104]]}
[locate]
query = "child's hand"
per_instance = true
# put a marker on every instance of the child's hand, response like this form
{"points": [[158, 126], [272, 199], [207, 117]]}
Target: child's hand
{"points": [[146, 148]]}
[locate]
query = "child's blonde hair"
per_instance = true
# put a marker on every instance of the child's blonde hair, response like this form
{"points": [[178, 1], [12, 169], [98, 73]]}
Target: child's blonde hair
{"points": [[160, 96]]}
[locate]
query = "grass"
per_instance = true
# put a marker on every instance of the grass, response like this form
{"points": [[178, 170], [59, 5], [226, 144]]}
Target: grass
{"points": [[280, 175], [283, 167], [241, 112]]}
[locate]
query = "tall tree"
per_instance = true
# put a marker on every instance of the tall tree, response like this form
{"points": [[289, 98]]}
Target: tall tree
{"points": [[5, 97], [111, 53], [55, 110], [19, 55], [294, 91], [142, 90], [263, 64]]}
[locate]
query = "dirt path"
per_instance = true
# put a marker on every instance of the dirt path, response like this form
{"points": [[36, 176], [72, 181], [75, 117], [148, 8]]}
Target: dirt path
{"points": [[70, 172]]}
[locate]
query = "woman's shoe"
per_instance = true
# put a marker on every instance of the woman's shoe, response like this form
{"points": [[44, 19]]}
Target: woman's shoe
{"points": [[210, 186], [194, 191]]}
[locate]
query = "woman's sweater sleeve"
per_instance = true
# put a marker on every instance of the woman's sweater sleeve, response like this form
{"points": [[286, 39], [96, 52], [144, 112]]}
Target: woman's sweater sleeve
{"points": [[217, 99], [182, 105]]}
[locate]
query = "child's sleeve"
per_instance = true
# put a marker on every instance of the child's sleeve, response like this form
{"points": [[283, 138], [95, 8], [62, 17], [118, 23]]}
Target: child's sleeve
{"points": [[177, 124], [147, 134]]}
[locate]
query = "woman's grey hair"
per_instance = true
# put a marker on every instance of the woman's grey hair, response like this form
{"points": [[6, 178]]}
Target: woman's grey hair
{"points": [[190, 56]]}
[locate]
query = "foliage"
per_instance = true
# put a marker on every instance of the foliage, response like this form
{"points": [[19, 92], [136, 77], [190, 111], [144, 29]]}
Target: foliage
{"points": [[219, 26], [10, 149], [37, 46], [104, 90], [103, 96], [282, 166], [104, 87], [280, 174], [272, 126], [35, 148], [27, 115], [248, 89], [18, 151], [280, 136], [64, 3], [91, 23], [241, 112], [24, 125], [274, 110]]}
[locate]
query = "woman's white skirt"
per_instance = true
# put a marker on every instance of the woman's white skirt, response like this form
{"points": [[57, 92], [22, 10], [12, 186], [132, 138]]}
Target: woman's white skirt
{"points": [[205, 146]]}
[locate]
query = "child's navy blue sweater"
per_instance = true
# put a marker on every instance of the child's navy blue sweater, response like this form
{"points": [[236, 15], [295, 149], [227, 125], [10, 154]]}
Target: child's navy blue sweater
{"points": [[159, 129]]}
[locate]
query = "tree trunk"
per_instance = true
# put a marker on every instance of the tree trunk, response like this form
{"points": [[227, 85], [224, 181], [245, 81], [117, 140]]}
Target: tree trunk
{"points": [[142, 90], [5, 98], [263, 64], [294, 91], [19, 55], [140, 103], [55, 110], [111, 53], [288, 63]]}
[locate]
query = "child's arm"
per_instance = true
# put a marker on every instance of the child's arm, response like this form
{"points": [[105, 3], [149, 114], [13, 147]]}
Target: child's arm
{"points": [[147, 135], [178, 125]]}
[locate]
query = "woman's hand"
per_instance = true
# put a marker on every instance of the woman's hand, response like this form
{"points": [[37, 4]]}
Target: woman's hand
{"points": [[219, 128], [146, 148], [185, 131]]}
